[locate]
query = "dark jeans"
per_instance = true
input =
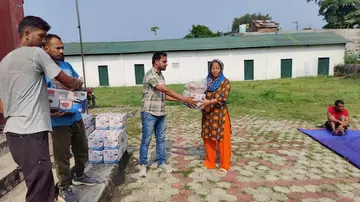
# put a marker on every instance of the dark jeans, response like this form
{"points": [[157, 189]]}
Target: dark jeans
{"points": [[62, 138], [31, 153], [152, 123]]}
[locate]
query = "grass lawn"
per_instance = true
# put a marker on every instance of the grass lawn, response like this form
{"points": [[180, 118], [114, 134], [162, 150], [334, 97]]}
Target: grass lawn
{"points": [[297, 99]]}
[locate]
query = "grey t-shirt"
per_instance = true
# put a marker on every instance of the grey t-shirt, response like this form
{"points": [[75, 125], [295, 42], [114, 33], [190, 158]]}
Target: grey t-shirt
{"points": [[23, 90]]}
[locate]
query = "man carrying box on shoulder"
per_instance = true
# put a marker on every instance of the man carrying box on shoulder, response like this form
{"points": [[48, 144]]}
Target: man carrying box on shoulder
{"points": [[26, 107], [68, 130]]}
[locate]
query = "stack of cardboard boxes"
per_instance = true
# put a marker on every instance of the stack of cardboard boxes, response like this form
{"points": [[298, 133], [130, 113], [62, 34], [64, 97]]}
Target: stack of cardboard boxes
{"points": [[109, 141]]}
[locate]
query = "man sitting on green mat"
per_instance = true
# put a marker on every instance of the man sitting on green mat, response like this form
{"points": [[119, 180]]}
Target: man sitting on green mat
{"points": [[338, 118]]}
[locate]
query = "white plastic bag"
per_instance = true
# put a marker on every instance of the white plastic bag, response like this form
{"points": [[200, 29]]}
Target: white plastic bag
{"points": [[198, 87]]}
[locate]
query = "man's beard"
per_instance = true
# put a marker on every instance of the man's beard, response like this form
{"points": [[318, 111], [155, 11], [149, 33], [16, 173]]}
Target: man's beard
{"points": [[56, 59]]}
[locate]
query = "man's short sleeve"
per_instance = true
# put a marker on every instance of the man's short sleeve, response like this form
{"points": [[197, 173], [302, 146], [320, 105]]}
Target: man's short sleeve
{"points": [[346, 113], [46, 64], [151, 80], [330, 110]]}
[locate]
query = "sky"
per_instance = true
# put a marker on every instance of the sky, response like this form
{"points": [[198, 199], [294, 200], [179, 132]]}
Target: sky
{"points": [[118, 20]]}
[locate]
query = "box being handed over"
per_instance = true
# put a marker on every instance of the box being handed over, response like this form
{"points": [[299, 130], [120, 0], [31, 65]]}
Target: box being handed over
{"points": [[196, 90], [66, 100]]}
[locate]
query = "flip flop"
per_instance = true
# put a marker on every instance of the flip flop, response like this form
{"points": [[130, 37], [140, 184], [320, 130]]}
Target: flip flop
{"points": [[206, 168], [222, 172]]}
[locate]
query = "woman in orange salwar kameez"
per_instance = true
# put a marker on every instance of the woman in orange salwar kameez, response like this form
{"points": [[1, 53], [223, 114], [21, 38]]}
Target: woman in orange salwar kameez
{"points": [[216, 126]]}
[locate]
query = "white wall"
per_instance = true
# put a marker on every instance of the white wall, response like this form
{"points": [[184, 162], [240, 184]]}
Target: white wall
{"points": [[193, 64]]}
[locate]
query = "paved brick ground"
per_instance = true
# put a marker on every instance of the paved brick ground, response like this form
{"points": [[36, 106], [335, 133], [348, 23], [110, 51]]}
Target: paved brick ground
{"points": [[271, 161]]}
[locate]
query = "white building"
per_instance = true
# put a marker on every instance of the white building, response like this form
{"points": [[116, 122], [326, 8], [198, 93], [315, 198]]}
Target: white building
{"points": [[257, 57]]}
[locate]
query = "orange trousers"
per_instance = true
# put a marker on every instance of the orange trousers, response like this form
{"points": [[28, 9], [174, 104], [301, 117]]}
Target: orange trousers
{"points": [[224, 148]]}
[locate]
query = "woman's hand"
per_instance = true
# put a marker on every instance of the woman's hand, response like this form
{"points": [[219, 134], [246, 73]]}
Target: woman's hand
{"points": [[205, 103]]}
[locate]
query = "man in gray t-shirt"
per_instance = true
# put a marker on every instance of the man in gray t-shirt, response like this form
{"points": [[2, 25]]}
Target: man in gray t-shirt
{"points": [[27, 109]]}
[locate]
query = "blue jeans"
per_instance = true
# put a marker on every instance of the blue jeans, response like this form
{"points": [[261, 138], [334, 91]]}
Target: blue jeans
{"points": [[149, 124]]}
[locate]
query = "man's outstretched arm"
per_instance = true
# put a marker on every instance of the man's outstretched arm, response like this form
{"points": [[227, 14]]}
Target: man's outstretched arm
{"points": [[172, 95]]}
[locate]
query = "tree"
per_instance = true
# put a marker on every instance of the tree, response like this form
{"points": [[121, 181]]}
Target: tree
{"points": [[339, 14], [316, 1], [154, 29], [201, 31], [246, 19]]}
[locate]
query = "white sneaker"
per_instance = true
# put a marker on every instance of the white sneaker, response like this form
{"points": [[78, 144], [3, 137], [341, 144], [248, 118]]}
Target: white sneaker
{"points": [[142, 172], [165, 168]]}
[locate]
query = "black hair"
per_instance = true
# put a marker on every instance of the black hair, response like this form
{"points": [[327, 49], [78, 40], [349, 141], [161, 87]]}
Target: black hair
{"points": [[158, 56], [51, 36], [337, 102], [32, 22]]}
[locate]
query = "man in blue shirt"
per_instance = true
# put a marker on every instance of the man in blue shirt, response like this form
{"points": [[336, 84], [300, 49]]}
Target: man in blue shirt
{"points": [[68, 130]]}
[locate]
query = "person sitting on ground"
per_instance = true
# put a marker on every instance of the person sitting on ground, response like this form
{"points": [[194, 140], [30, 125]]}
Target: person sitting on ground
{"points": [[338, 118]]}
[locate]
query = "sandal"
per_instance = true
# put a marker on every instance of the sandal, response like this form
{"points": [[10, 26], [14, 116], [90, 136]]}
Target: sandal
{"points": [[222, 172], [206, 168]]}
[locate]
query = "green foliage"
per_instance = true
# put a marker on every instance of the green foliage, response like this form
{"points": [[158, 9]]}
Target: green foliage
{"points": [[352, 58], [351, 67], [339, 14], [155, 29], [316, 1], [201, 31], [246, 19]]}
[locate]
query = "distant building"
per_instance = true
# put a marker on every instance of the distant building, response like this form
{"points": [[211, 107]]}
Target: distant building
{"points": [[248, 57], [263, 26]]}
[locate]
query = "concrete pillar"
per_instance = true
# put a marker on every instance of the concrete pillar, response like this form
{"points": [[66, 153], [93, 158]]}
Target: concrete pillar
{"points": [[11, 13]]}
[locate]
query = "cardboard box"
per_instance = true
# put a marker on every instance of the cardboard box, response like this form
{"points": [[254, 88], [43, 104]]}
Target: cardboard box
{"points": [[89, 130], [117, 122], [114, 138], [96, 140], [111, 121], [112, 156], [197, 96], [88, 120], [66, 100], [102, 122], [96, 157]]}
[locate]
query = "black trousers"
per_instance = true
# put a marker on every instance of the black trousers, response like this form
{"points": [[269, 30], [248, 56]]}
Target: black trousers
{"points": [[31, 153]]}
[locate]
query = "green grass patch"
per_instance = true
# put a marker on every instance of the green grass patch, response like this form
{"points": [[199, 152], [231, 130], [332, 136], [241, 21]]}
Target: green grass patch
{"points": [[186, 173], [203, 196], [187, 187], [296, 99]]}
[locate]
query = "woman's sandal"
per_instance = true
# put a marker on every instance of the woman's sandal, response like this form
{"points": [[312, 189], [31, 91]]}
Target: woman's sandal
{"points": [[222, 172], [206, 168]]}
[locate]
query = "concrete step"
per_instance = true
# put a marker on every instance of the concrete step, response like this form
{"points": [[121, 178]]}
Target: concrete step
{"points": [[10, 174], [109, 177]]}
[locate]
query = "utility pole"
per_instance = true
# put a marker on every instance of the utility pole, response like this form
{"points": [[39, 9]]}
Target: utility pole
{"points": [[297, 25], [81, 46]]}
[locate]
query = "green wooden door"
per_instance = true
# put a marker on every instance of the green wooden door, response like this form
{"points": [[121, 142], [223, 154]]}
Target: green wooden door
{"points": [[209, 67], [286, 68], [139, 74], [103, 76], [323, 66], [249, 69]]}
